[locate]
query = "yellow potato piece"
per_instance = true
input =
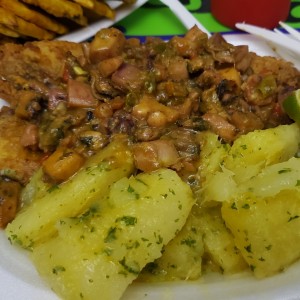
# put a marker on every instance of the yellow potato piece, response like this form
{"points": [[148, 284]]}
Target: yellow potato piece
{"points": [[98, 254], [37, 221], [218, 241], [266, 230], [61, 8], [182, 256], [251, 152], [23, 27], [24, 12]]}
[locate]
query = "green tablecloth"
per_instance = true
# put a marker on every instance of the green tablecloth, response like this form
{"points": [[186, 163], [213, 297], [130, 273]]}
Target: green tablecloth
{"points": [[155, 19]]}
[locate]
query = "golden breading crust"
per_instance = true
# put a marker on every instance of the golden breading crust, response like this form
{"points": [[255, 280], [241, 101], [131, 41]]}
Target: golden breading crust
{"points": [[61, 8], [9, 32], [23, 27], [42, 62], [16, 161], [32, 16]]}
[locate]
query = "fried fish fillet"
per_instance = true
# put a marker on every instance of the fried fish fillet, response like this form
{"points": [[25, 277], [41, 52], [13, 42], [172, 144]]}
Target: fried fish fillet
{"points": [[33, 66], [16, 161]]}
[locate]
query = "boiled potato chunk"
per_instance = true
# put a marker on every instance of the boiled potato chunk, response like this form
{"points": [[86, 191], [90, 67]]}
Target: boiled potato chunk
{"points": [[264, 218], [258, 185], [218, 188], [212, 155], [216, 182], [98, 254], [273, 179], [250, 153], [36, 222], [218, 242], [247, 157], [182, 256]]}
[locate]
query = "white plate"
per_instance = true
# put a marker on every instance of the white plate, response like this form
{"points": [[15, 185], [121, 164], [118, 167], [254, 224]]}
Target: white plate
{"points": [[255, 44], [85, 33], [19, 279]]}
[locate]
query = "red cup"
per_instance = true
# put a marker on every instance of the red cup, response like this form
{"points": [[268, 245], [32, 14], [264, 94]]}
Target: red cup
{"points": [[263, 13]]}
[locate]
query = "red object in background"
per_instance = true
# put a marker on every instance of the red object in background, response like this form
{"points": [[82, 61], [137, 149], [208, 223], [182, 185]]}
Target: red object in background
{"points": [[264, 13]]}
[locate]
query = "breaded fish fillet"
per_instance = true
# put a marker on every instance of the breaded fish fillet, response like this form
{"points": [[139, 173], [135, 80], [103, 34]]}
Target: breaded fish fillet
{"points": [[33, 66], [16, 161]]}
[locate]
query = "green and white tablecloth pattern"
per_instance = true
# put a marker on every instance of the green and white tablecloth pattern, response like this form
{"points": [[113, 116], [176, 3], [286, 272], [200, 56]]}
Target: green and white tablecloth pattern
{"points": [[155, 19]]}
